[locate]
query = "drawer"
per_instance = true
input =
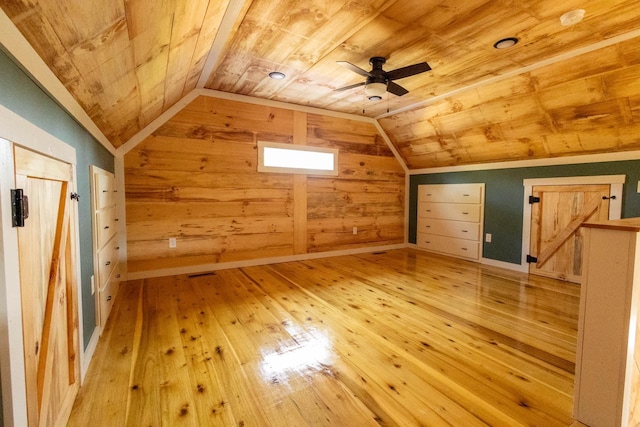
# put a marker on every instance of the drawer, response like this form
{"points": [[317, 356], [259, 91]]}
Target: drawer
{"points": [[108, 258], [449, 245], [449, 211], [450, 193], [107, 296], [457, 229], [105, 190], [107, 224]]}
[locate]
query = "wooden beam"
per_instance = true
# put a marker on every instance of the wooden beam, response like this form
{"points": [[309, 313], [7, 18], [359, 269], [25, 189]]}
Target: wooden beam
{"points": [[299, 188]]}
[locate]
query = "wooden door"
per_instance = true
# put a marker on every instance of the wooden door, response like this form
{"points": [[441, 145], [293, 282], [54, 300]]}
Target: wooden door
{"points": [[556, 238], [46, 252]]}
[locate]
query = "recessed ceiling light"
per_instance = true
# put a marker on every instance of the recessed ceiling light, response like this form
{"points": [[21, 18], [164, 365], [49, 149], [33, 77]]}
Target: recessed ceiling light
{"points": [[572, 17], [505, 43], [277, 75]]}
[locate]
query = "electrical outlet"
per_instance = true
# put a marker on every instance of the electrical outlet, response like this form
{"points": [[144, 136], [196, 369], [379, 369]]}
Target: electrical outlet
{"points": [[355, 230], [638, 186], [487, 238], [93, 285], [172, 242]]}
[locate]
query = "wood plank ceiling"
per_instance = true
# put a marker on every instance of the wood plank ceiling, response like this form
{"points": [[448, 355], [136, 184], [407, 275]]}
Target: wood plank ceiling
{"points": [[127, 61]]}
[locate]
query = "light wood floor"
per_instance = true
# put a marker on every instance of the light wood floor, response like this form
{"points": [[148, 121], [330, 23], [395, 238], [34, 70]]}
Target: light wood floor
{"points": [[399, 338]]}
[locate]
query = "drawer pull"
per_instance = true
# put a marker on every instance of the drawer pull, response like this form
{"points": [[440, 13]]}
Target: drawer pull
{"points": [[117, 220], [465, 213], [107, 263], [464, 249], [117, 248], [427, 242], [428, 194], [465, 195], [106, 227], [105, 191], [464, 231], [428, 210], [109, 298], [117, 276], [428, 226]]}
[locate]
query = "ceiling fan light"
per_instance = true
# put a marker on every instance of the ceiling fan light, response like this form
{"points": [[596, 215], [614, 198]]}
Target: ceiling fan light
{"points": [[375, 98], [375, 89], [277, 75]]}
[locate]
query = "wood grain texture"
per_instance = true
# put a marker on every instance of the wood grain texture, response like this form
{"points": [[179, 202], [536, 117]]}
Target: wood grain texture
{"points": [[49, 289], [126, 63], [196, 179], [586, 105], [557, 239], [399, 338]]}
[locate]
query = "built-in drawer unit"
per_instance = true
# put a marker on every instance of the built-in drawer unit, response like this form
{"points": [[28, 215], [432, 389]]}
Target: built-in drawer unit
{"points": [[450, 219], [105, 242]]}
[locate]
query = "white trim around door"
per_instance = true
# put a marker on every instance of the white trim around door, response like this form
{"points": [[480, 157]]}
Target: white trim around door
{"points": [[16, 130]]}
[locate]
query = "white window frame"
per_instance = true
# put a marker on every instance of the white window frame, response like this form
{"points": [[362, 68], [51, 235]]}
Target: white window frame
{"points": [[267, 144]]}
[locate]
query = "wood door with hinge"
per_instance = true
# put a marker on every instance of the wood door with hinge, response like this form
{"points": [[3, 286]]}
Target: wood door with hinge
{"points": [[556, 217], [46, 249]]}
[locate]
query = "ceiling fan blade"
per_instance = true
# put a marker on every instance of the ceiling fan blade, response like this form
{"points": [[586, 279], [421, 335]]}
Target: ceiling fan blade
{"points": [[349, 87], [354, 68], [407, 71], [396, 89]]}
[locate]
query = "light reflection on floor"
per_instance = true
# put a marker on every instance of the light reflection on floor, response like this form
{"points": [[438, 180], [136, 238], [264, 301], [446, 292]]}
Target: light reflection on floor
{"points": [[310, 353]]}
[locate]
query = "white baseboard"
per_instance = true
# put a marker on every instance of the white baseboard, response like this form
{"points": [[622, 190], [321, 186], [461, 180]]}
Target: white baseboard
{"points": [[485, 261], [203, 268], [506, 265], [87, 354]]}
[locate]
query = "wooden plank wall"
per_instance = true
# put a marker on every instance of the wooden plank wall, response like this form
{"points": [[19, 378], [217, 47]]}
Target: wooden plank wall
{"points": [[588, 104], [196, 179]]}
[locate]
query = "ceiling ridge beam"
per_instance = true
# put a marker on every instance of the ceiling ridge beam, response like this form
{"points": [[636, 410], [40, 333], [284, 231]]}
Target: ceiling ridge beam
{"points": [[227, 26], [562, 57]]}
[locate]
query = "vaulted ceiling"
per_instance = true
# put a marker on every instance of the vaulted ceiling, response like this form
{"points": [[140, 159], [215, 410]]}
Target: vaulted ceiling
{"points": [[560, 91]]}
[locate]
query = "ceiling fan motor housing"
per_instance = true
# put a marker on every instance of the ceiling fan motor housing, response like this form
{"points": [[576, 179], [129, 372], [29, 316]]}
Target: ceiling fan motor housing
{"points": [[377, 74]]}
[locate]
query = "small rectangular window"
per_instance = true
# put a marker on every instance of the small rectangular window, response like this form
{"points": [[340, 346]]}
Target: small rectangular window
{"points": [[289, 158]]}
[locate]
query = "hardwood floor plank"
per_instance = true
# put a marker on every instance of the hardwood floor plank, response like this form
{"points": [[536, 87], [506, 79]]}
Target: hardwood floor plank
{"points": [[420, 349], [401, 338], [108, 400], [315, 315]]}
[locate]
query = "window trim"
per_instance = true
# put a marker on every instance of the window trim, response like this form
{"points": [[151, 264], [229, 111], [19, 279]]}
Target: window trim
{"points": [[276, 169]]}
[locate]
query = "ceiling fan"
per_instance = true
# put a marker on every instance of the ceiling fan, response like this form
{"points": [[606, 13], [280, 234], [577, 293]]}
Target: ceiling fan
{"points": [[379, 81]]}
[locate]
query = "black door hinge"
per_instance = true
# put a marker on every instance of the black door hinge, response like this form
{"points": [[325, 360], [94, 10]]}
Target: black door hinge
{"points": [[533, 199], [19, 207], [75, 196], [531, 259]]}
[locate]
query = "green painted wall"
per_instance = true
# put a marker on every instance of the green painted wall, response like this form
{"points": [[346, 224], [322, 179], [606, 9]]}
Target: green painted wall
{"points": [[21, 95], [504, 195]]}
